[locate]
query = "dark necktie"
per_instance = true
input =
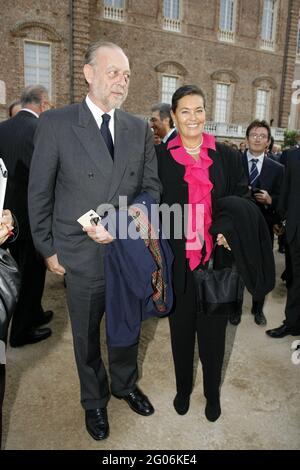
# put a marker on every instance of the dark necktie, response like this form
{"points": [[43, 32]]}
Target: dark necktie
{"points": [[253, 172], [104, 129]]}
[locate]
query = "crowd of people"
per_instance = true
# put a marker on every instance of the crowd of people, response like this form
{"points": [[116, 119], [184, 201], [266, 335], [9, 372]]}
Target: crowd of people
{"points": [[62, 163]]}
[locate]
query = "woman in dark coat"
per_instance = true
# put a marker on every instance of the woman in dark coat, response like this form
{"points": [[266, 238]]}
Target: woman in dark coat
{"points": [[194, 170]]}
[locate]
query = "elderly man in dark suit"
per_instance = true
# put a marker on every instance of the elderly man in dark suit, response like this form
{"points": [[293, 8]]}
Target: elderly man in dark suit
{"points": [[289, 207], [86, 155], [16, 149]]}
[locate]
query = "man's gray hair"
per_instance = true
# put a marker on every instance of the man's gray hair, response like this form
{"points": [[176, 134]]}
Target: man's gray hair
{"points": [[94, 46], [33, 94], [164, 110]]}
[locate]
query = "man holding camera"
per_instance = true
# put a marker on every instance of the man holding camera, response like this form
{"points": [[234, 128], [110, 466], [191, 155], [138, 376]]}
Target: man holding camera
{"points": [[265, 178]]}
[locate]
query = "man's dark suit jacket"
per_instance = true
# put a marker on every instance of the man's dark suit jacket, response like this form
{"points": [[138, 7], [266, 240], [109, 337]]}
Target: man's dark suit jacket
{"points": [[72, 172], [16, 149], [270, 179], [228, 178], [289, 203]]}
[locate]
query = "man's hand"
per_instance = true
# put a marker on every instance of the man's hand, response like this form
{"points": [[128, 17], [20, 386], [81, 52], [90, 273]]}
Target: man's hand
{"points": [[54, 266], [99, 234], [278, 229], [4, 233], [6, 226], [263, 197], [221, 241], [7, 219]]}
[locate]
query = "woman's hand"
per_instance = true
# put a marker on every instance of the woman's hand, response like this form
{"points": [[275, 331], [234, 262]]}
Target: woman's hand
{"points": [[221, 241], [99, 234]]}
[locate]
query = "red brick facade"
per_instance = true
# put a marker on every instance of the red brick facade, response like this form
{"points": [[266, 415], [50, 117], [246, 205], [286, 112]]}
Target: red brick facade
{"points": [[194, 55]]}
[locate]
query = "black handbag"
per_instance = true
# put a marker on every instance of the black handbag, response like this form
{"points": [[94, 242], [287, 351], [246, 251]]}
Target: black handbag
{"points": [[219, 291], [10, 283]]}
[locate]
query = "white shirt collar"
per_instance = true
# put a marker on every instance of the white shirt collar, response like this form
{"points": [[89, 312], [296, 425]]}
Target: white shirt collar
{"points": [[259, 158], [30, 111], [164, 140], [97, 113]]}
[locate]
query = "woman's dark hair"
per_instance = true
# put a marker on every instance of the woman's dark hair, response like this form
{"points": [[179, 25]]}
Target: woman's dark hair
{"points": [[186, 90]]}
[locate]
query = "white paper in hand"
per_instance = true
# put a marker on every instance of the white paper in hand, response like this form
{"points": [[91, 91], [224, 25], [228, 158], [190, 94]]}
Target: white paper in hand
{"points": [[3, 182], [89, 219]]}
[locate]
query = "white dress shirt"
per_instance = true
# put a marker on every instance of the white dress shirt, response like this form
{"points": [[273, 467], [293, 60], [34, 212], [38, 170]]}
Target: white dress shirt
{"points": [[97, 113]]}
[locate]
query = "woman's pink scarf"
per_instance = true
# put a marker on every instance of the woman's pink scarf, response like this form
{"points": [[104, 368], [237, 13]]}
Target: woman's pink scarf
{"points": [[199, 197]]}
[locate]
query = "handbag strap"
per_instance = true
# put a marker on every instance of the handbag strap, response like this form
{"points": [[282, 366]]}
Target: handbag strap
{"points": [[212, 260]]}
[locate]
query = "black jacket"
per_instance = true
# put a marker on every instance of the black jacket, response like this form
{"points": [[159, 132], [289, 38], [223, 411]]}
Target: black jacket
{"points": [[16, 149], [247, 234], [289, 203], [270, 179]]}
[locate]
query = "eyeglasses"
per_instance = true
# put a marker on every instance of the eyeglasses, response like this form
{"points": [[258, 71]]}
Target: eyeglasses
{"points": [[258, 136]]}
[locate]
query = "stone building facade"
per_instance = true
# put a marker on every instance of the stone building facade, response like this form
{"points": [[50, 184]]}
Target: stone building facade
{"points": [[165, 49]]}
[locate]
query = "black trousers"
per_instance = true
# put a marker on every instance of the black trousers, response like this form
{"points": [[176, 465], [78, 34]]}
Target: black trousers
{"points": [[292, 308], [257, 304], [33, 271], [185, 324], [86, 302]]}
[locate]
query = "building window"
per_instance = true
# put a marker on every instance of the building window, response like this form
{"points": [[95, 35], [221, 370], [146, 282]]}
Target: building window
{"points": [[222, 102], [168, 86], [37, 64], [227, 20], [262, 105], [268, 27], [114, 10], [171, 13], [298, 44]]}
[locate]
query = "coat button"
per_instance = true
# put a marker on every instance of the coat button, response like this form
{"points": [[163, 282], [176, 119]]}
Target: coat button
{"points": [[132, 173], [91, 175]]}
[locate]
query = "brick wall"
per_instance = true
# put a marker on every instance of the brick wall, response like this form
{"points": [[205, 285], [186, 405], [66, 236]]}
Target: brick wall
{"points": [[34, 20], [195, 54]]}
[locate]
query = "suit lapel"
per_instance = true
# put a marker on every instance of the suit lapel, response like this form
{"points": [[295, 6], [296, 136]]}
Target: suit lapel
{"points": [[90, 138], [122, 152], [179, 169], [245, 164], [215, 173], [264, 171]]}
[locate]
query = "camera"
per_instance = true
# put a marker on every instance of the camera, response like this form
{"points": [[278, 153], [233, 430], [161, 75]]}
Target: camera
{"points": [[256, 190]]}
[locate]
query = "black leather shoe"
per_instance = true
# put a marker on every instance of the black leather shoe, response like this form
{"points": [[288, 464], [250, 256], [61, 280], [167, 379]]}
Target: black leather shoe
{"points": [[33, 336], [97, 423], [235, 319], [181, 404], [282, 331], [259, 317], [213, 411], [138, 402], [45, 318]]}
